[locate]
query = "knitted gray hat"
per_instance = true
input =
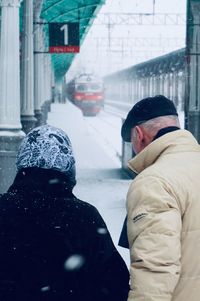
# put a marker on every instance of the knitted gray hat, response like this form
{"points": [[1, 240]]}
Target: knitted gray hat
{"points": [[47, 147]]}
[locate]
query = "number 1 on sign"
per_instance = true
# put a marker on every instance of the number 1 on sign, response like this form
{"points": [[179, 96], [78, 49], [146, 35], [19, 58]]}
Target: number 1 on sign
{"points": [[66, 37]]}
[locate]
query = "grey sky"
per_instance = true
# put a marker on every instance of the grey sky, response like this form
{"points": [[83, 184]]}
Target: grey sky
{"points": [[109, 49]]}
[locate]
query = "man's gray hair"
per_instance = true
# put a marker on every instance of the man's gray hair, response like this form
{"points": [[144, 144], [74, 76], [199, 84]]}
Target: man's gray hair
{"points": [[155, 124]]}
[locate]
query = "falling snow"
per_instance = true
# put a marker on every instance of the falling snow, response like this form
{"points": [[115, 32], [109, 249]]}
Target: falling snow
{"points": [[74, 262]]}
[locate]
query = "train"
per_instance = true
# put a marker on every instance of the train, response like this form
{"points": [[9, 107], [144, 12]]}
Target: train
{"points": [[86, 91]]}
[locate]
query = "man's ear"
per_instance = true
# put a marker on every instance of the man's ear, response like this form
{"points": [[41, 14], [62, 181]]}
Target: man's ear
{"points": [[139, 133]]}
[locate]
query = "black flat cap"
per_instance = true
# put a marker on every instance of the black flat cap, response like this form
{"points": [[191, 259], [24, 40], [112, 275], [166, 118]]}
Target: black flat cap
{"points": [[144, 110]]}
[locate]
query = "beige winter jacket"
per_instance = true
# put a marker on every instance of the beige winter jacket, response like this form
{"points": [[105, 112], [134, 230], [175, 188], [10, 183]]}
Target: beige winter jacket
{"points": [[163, 205]]}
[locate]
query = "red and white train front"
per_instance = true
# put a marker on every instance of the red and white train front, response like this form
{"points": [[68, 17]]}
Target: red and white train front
{"points": [[87, 93]]}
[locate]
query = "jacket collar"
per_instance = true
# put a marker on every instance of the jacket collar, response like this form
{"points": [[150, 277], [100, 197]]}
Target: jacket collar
{"points": [[42, 181], [165, 130], [171, 142]]}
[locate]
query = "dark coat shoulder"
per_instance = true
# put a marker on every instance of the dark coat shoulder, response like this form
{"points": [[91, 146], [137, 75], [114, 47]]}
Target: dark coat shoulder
{"points": [[54, 246]]}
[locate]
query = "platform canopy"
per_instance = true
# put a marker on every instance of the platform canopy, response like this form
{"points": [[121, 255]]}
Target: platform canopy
{"points": [[81, 11]]}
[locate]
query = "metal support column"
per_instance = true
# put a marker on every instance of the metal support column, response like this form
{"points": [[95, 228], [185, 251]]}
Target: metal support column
{"points": [[162, 84], [192, 106], [175, 88], [169, 85], [47, 85], [37, 65], [27, 104]]}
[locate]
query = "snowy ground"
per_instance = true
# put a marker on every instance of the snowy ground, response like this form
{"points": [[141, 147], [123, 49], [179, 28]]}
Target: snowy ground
{"points": [[97, 147]]}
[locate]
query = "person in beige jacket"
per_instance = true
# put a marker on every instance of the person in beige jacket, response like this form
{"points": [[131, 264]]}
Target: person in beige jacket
{"points": [[163, 204]]}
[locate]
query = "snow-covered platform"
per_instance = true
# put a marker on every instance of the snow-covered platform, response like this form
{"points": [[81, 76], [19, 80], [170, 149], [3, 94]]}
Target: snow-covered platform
{"points": [[100, 179]]}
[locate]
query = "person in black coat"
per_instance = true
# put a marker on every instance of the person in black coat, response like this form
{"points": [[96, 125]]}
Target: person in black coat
{"points": [[53, 246]]}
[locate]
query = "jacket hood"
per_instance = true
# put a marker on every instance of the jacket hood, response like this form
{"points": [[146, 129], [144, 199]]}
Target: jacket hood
{"points": [[47, 147], [170, 142]]}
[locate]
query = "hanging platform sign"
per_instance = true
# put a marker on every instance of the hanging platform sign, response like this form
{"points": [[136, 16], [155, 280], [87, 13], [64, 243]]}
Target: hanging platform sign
{"points": [[64, 38]]}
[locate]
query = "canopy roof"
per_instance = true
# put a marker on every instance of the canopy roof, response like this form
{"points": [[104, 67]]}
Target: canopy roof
{"points": [[82, 11]]}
